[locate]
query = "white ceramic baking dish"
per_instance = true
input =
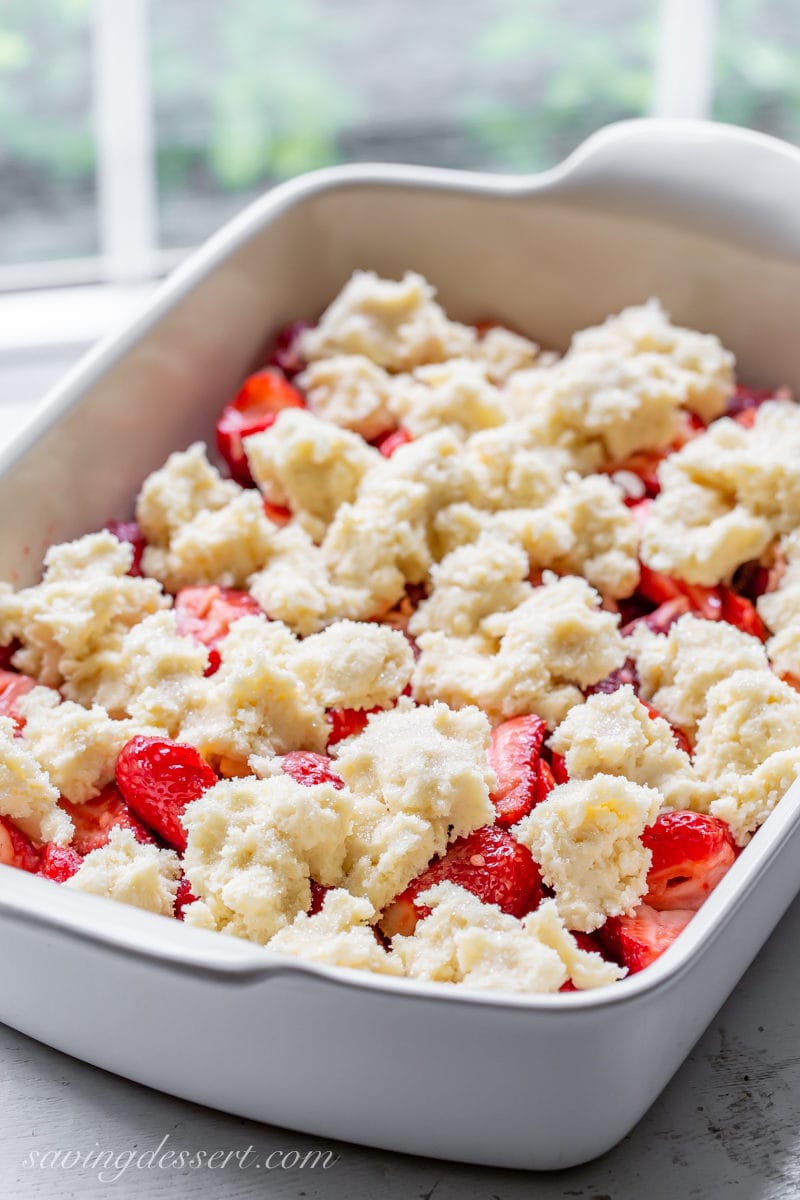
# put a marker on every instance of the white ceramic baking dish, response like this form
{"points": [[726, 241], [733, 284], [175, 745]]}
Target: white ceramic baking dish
{"points": [[704, 217]]}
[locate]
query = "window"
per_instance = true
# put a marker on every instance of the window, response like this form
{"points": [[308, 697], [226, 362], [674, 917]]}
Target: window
{"points": [[129, 129]]}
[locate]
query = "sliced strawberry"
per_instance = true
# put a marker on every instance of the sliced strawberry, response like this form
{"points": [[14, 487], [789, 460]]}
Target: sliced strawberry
{"points": [[159, 778], [255, 407], [59, 863], [739, 611], [559, 767], [545, 782], [318, 894], [345, 722], [792, 680], [129, 531], [286, 354], [309, 768], [207, 613], [691, 853], [389, 442], [95, 819], [16, 848], [489, 863], [12, 687], [638, 940], [514, 755], [183, 897]]}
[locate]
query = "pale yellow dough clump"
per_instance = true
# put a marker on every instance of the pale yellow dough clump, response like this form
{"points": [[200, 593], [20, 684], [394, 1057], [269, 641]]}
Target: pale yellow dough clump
{"points": [[586, 837], [131, 872]]}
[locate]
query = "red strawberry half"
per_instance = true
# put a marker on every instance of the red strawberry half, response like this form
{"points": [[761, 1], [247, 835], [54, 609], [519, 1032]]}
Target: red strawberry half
{"points": [[309, 768], [16, 848], [159, 778], [95, 819], [514, 755], [691, 853], [489, 863], [261, 398], [637, 941]]}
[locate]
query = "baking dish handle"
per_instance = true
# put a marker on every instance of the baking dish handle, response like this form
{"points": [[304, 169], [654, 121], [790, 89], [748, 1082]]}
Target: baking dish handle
{"points": [[681, 168]]}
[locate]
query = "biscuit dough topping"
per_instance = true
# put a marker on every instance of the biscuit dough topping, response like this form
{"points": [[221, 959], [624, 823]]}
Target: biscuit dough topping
{"points": [[463, 661]]}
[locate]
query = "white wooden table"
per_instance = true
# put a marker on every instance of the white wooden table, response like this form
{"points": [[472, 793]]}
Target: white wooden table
{"points": [[726, 1128]]}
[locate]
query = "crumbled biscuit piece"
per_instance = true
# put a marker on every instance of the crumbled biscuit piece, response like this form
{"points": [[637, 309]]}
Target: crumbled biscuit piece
{"points": [[160, 675], [71, 624], [351, 392], [480, 578], [748, 747], [587, 530], [378, 544], [506, 468], [676, 670], [535, 658], [396, 324], [586, 838], [27, 796], [725, 496], [256, 703], [706, 366], [76, 746], [223, 546], [466, 941], [253, 847], [501, 352], [420, 778], [131, 872], [614, 734], [599, 407], [780, 611], [454, 395], [173, 496], [296, 586], [309, 466], [749, 715], [340, 934], [355, 665]]}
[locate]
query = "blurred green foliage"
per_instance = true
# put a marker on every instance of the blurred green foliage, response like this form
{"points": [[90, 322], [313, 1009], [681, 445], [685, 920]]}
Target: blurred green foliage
{"points": [[247, 92], [45, 98]]}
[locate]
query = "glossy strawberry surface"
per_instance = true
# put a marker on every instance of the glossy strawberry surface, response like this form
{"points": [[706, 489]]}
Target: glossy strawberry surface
{"points": [[490, 863], [691, 852], [309, 768], [638, 940], [514, 755], [158, 778]]}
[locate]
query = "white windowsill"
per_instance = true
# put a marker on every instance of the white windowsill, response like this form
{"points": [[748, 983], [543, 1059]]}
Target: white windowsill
{"points": [[42, 324]]}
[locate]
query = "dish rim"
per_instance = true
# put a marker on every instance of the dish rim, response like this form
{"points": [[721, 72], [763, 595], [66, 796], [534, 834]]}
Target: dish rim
{"points": [[134, 933]]}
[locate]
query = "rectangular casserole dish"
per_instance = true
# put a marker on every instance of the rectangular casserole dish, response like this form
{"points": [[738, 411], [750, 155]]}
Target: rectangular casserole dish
{"points": [[700, 215]]}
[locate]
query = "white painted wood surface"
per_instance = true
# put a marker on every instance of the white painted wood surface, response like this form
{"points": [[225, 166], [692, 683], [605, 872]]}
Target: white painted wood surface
{"points": [[726, 1128]]}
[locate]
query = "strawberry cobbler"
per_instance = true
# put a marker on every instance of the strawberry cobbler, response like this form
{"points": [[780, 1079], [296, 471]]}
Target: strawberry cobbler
{"points": [[474, 664]]}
